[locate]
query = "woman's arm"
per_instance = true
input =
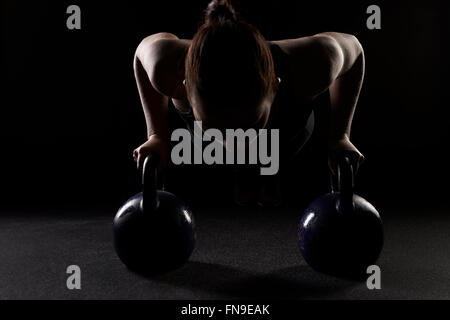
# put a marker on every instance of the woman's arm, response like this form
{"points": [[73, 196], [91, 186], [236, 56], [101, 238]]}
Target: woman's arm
{"points": [[347, 65], [333, 61], [147, 60], [347, 73], [154, 103]]}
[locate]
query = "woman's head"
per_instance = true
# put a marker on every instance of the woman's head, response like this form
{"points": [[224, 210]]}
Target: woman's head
{"points": [[230, 77]]}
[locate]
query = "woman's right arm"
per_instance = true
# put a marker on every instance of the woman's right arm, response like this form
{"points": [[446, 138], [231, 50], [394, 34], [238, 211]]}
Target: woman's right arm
{"points": [[154, 103]]}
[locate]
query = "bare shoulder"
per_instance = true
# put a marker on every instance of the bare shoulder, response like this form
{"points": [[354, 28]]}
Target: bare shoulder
{"points": [[154, 41], [315, 60], [326, 45], [160, 47], [162, 55]]}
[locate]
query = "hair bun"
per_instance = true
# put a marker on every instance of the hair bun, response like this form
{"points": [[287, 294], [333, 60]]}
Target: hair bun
{"points": [[220, 10]]}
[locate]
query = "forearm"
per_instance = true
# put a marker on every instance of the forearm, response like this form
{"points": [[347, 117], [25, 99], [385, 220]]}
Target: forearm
{"points": [[154, 103], [344, 94]]}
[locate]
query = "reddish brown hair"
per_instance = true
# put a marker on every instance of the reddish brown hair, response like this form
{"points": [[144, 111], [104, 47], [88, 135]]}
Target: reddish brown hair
{"points": [[228, 59]]}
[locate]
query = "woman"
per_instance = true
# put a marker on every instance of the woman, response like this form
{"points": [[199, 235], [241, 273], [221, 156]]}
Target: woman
{"points": [[229, 76]]}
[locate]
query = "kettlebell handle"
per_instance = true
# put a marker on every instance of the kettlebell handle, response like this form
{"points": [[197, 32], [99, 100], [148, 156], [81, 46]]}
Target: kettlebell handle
{"points": [[149, 192], [344, 185]]}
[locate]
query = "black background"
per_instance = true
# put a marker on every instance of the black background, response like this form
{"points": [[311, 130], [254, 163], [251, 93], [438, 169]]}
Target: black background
{"points": [[70, 112]]}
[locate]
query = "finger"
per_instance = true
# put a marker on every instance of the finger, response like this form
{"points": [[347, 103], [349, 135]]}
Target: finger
{"points": [[360, 161], [332, 166], [352, 156], [138, 162], [332, 170], [141, 162], [354, 160]]}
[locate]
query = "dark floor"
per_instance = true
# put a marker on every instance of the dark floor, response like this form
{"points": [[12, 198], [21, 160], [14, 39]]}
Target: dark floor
{"points": [[239, 254]]}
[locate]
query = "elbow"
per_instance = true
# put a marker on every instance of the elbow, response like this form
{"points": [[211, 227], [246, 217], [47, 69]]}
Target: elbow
{"points": [[135, 63], [360, 57], [354, 55], [138, 53], [358, 48]]}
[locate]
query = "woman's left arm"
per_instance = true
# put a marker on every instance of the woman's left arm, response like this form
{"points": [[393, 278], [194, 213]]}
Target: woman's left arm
{"points": [[347, 66]]}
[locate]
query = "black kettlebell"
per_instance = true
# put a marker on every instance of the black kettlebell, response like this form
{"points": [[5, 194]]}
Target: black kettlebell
{"points": [[153, 231], [340, 233]]}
